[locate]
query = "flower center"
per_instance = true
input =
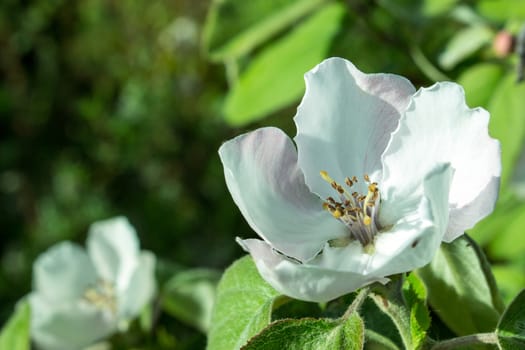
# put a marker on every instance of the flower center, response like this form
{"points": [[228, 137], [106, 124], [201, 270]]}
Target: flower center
{"points": [[357, 211], [102, 296]]}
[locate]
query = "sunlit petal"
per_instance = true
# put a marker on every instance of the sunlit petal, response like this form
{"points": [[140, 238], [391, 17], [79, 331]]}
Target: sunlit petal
{"points": [[438, 127], [345, 120], [262, 175], [304, 282]]}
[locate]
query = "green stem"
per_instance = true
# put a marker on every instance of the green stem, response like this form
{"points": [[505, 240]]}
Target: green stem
{"points": [[425, 65], [356, 304], [232, 72], [390, 300], [480, 338]]}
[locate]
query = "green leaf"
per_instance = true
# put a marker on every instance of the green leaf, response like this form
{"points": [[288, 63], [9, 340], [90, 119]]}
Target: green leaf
{"points": [[508, 243], [501, 10], [415, 295], [403, 301], [189, 296], [146, 318], [511, 327], [375, 340], [15, 333], [234, 28], [243, 306], [380, 330], [461, 287], [490, 227], [437, 7], [479, 81], [310, 334], [465, 43], [511, 279], [507, 108], [274, 78], [294, 308]]}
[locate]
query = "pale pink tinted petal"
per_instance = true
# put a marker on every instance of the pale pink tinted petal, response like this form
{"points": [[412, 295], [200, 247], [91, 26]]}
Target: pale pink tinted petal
{"points": [[438, 127], [462, 218], [345, 120], [303, 281], [268, 187]]}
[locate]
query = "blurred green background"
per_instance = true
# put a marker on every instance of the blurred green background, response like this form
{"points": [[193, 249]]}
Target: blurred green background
{"points": [[118, 108]]}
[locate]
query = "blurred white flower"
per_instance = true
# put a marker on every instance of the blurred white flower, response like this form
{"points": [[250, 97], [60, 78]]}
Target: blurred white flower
{"points": [[381, 175], [80, 297], [182, 31]]}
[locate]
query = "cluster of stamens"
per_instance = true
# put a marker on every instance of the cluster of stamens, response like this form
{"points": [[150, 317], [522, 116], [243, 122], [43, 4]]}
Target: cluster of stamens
{"points": [[358, 212], [102, 296]]}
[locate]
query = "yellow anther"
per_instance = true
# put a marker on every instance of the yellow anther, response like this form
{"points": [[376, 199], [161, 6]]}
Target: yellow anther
{"points": [[337, 214], [372, 187], [92, 295], [366, 177], [325, 176], [367, 220], [325, 206], [349, 182]]}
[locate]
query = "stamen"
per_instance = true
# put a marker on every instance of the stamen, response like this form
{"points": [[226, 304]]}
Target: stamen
{"points": [[357, 211], [325, 176], [102, 296]]}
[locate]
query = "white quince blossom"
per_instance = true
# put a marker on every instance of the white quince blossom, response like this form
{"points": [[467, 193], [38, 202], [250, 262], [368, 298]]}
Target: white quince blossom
{"points": [[80, 297], [382, 175]]}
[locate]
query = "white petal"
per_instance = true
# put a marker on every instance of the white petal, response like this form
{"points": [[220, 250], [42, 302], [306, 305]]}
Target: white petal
{"points": [[63, 272], [302, 281], [345, 120], [467, 216], [67, 325], [263, 178], [141, 288], [414, 246], [438, 127], [114, 248]]}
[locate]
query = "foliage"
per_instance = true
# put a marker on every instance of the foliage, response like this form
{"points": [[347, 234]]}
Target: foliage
{"points": [[244, 305], [15, 333]]}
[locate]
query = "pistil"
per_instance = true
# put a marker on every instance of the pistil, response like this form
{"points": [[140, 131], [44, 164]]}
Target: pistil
{"points": [[358, 212]]}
